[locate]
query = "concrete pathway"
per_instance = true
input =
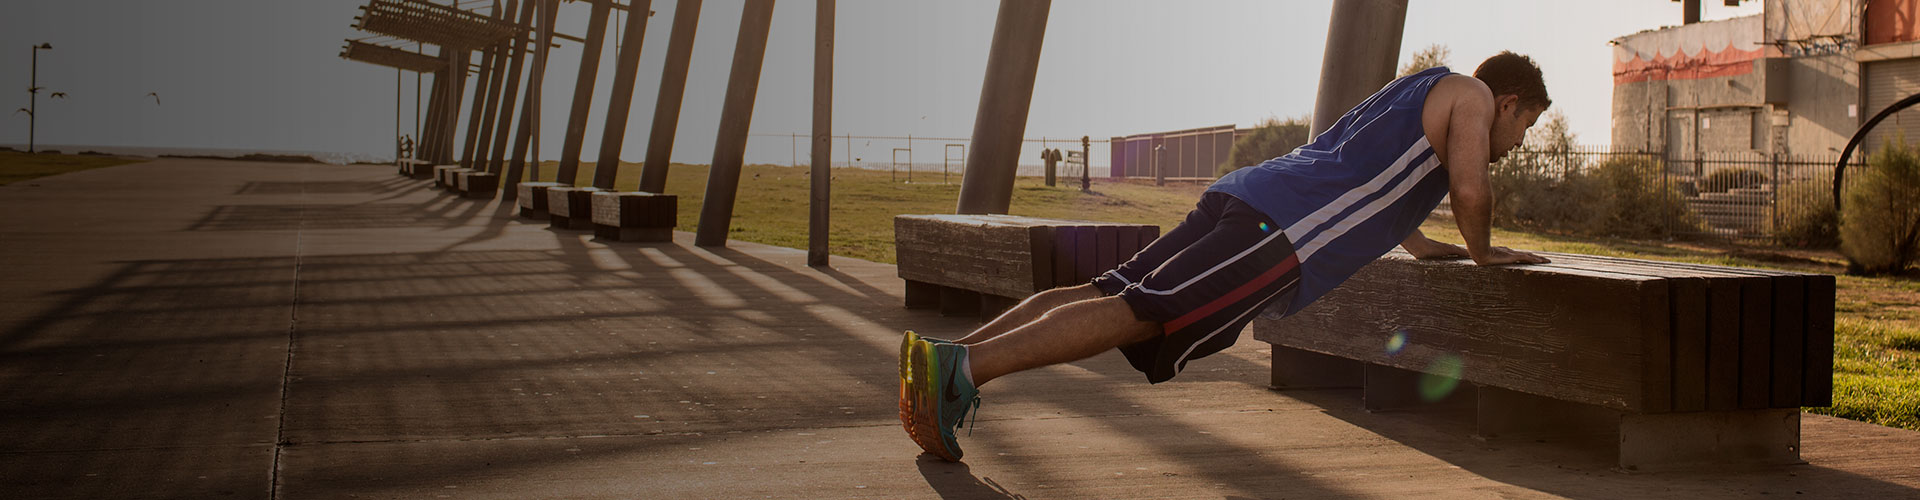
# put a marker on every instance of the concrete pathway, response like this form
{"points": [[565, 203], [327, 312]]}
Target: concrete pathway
{"points": [[209, 329]]}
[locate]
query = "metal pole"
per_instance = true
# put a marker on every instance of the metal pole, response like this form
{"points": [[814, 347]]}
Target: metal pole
{"points": [[730, 145], [417, 78], [530, 112], [496, 78], [33, 97], [1363, 45], [476, 118], [1007, 94], [399, 84], [666, 107], [819, 204], [620, 104], [583, 94], [516, 61]]}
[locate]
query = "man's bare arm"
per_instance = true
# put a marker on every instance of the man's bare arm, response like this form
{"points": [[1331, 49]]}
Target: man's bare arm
{"points": [[1422, 247], [1469, 185]]}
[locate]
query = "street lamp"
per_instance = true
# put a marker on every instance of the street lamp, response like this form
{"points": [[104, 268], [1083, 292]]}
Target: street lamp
{"points": [[33, 88]]}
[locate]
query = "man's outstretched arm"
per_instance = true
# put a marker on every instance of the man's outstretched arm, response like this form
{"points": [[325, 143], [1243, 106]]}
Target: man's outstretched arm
{"points": [[1469, 186]]}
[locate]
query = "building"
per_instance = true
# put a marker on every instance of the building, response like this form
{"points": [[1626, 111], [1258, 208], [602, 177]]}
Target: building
{"points": [[1191, 154], [1799, 78]]}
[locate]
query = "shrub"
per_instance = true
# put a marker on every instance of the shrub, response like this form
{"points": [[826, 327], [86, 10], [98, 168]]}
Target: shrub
{"points": [[1728, 179], [1804, 216], [1880, 223], [1637, 204], [1621, 197], [1270, 139]]}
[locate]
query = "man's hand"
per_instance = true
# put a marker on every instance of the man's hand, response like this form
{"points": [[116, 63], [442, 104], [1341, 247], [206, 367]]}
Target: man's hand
{"points": [[1422, 248], [1502, 255]]}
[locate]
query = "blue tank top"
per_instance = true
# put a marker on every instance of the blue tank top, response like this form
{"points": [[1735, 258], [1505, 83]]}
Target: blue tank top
{"points": [[1354, 193]]}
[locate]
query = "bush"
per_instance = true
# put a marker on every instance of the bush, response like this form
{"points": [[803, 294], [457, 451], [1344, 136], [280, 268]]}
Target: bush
{"points": [[1543, 191], [1270, 139], [1621, 197], [1637, 204], [1804, 216], [1880, 223], [1728, 179]]}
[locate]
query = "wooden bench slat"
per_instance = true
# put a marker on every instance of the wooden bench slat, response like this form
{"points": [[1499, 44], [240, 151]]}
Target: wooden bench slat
{"points": [[1818, 388]]}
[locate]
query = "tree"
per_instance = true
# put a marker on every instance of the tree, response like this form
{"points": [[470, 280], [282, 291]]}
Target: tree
{"points": [[1270, 139], [1431, 57]]}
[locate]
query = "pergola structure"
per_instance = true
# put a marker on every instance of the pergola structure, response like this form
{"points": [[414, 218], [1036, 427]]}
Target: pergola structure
{"points": [[1362, 48]]}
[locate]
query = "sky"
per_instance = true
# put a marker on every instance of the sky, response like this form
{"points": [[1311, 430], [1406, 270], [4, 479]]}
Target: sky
{"points": [[265, 74]]}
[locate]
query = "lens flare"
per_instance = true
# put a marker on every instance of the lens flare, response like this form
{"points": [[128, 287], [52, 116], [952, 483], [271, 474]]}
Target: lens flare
{"points": [[1397, 342], [1441, 377], [1264, 228]]}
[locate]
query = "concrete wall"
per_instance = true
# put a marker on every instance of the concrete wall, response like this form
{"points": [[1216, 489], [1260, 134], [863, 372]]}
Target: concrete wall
{"points": [[1821, 89], [1709, 87]]}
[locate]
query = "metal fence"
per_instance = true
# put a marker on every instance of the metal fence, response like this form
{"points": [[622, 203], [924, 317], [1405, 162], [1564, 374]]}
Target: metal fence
{"points": [[1726, 195]]}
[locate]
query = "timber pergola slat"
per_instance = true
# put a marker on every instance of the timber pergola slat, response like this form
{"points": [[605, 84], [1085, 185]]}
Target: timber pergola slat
{"points": [[442, 25], [391, 57]]}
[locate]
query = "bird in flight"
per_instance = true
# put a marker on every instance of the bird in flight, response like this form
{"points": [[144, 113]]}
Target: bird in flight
{"points": [[58, 95], [156, 97]]}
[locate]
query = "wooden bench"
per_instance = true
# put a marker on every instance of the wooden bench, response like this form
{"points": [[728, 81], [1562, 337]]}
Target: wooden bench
{"points": [[532, 197], [634, 216], [476, 183], [570, 207], [1685, 364], [443, 176], [417, 169], [984, 264]]}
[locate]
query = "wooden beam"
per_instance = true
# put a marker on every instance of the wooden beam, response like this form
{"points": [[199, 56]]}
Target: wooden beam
{"points": [[730, 147]]}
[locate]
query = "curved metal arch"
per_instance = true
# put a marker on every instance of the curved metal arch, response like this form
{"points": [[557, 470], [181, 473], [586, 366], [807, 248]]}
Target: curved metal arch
{"points": [[1858, 137]]}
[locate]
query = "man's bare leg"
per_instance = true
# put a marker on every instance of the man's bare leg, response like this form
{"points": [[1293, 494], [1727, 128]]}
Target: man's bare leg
{"points": [[1029, 310], [1067, 333]]}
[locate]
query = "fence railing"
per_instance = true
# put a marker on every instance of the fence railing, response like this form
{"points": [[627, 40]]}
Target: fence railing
{"points": [[1733, 195]]}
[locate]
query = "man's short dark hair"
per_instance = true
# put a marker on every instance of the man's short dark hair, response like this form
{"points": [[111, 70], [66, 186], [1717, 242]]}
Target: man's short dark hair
{"points": [[1513, 74]]}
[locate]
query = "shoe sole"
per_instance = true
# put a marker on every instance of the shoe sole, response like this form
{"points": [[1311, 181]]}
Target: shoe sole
{"points": [[906, 381], [926, 418]]}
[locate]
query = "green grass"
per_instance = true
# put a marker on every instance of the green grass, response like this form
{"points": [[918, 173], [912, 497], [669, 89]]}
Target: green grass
{"points": [[18, 166], [1877, 336]]}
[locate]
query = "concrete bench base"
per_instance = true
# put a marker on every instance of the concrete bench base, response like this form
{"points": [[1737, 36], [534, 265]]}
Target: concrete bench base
{"points": [[570, 207], [477, 184], [1638, 441], [451, 180], [532, 197], [634, 216], [416, 169], [441, 178]]}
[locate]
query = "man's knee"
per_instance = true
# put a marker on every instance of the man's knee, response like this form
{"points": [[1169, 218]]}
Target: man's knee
{"points": [[1071, 294]]}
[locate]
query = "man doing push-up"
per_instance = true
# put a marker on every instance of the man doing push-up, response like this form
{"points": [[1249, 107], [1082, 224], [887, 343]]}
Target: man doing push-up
{"points": [[1278, 234]]}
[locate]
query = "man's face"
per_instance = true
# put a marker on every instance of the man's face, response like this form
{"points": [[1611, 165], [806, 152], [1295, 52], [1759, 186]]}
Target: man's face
{"points": [[1510, 123]]}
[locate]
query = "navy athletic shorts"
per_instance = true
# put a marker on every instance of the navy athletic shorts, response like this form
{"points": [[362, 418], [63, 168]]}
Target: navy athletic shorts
{"points": [[1204, 281]]}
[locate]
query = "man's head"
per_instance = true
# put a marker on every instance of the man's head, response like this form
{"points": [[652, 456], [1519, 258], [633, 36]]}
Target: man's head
{"points": [[1519, 96]]}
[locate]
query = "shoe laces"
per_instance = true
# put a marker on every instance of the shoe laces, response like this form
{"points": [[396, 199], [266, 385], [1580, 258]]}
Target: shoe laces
{"points": [[973, 409]]}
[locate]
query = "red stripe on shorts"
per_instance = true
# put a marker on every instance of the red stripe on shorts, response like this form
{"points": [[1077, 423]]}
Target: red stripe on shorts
{"points": [[1242, 292]]}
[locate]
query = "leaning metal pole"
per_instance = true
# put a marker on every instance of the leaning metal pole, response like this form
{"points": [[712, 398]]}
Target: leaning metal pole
{"points": [[673, 86], [1363, 44], [483, 149], [583, 94], [821, 195], [530, 112], [476, 118], [620, 104], [1005, 97], [516, 61], [730, 145]]}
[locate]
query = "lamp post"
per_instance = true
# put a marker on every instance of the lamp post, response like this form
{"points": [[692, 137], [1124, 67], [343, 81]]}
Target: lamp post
{"points": [[33, 88]]}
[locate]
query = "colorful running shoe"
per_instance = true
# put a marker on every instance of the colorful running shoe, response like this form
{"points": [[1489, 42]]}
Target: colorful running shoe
{"points": [[942, 397], [906, 375]]}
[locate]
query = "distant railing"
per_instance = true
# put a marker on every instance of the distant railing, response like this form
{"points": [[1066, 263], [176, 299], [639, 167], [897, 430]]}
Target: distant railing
{"points": [[1738, 195]]}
